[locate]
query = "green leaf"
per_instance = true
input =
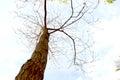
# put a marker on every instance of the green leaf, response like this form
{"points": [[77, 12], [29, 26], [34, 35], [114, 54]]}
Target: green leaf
{"points": [[118, 69], [110, 1]]}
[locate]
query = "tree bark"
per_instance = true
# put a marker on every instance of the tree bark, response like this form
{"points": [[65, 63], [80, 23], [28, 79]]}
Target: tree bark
{"points": [[34, 68]]}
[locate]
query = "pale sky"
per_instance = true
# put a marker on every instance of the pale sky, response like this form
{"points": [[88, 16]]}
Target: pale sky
{"points": [[106, 36]]}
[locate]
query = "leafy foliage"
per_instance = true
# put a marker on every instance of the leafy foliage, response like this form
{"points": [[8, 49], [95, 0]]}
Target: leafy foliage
{"points": [[118, 69], [110, 1]]}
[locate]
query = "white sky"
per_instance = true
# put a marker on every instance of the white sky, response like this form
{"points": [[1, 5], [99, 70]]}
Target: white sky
{"points": [[106, 36]]}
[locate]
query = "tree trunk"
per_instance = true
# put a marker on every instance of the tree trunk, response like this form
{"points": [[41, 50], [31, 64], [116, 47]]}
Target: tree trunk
{"points": [[34, 68]]}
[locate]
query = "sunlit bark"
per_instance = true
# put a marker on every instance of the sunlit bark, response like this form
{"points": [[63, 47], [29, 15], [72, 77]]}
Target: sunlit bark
{"points": [[34, 68]]}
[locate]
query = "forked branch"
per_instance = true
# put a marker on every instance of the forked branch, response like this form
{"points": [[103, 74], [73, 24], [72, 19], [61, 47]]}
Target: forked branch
{"points": [[70, 20]]}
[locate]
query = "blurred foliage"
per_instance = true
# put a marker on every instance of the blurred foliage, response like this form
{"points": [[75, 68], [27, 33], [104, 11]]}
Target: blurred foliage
{"points": [[66, 1], [118, 69], [110, 1], [61, 1]]}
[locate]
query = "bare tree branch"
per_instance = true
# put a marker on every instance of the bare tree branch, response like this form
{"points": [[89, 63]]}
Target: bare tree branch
{"points": [[74, 45], [76, 18], [45, 13]]}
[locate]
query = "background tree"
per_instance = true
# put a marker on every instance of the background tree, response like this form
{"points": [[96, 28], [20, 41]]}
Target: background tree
{"points": [[61, 29]]}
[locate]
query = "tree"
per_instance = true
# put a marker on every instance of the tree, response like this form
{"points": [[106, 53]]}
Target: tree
{"points": [[40, 31]]}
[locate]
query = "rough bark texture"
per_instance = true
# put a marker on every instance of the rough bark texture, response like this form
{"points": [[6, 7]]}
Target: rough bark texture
{"points": [[34, 68]]}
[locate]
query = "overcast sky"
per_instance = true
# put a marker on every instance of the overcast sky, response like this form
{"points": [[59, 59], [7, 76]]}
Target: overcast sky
{"points": [[106, 36]]}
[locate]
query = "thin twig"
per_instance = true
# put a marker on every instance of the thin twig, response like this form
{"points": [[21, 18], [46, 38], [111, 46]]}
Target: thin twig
{"points": [[74, 45]]}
